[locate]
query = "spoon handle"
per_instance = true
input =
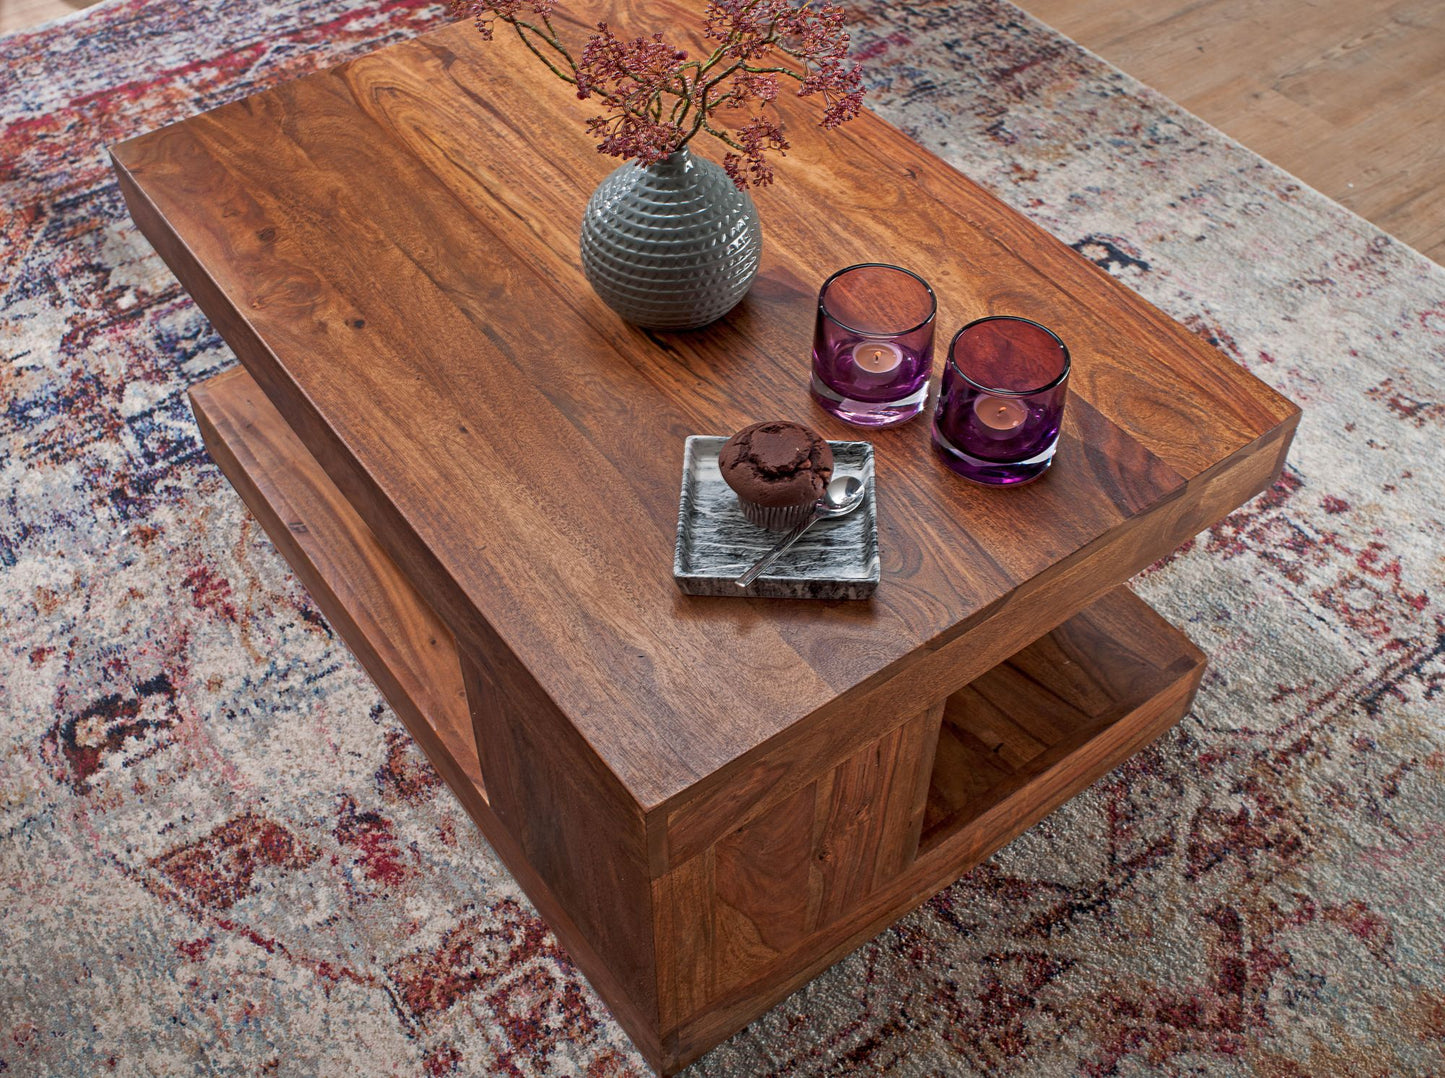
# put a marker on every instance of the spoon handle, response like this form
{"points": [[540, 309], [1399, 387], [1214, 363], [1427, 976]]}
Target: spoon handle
{"points": [[773, 555]]}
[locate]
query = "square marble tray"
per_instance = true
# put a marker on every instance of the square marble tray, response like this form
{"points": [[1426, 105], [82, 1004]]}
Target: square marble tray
{"points": [[835, 559]]}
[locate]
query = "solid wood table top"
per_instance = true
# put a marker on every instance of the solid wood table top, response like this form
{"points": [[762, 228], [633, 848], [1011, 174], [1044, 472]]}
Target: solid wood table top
{"points": [[391, 248]]}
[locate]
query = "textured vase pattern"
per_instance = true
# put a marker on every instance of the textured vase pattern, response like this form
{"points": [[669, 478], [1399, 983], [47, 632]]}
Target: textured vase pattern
{"points": [[673, 245]]}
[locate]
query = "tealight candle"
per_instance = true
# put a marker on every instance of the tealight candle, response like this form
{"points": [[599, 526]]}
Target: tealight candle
{"points": [[873, 345], [1002, 400], [1000, 415], [877, 358]]}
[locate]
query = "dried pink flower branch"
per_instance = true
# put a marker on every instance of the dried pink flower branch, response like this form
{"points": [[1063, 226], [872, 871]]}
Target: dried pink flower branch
{"points": [[656, 99]]}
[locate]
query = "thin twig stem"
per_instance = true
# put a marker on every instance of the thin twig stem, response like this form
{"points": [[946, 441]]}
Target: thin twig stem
{"points": [[517, 26]]}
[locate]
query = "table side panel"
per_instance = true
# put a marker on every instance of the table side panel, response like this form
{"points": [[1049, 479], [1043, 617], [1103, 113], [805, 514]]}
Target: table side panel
{"points": [[577, 827], [394, 635], [761, 891], [1135, 677]]}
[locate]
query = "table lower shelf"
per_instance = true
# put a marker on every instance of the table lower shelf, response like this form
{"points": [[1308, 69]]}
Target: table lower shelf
{"points": [[1063, 701], [1010, 746]]}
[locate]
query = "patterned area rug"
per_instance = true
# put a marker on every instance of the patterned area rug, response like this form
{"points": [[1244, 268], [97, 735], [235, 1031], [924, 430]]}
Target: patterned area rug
{"points": [[221, 854]]}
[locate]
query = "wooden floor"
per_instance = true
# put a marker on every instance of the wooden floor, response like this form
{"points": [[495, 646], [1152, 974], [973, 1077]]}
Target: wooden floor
{"points": [[1349, 95], [18, 14]]}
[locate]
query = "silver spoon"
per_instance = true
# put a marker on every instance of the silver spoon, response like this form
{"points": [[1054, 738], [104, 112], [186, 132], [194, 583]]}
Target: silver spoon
{"points": [[844, 494]]}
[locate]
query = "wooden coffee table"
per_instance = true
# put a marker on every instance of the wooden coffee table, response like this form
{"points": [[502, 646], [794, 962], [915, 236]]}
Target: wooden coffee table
{"points": [[474, 467]]}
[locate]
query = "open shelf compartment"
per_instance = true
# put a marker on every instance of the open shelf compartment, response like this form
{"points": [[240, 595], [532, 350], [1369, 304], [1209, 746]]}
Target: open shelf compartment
{"points": [[1059, 713], [399, 640]]}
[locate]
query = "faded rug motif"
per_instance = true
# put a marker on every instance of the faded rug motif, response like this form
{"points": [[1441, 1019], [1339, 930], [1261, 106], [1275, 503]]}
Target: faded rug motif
{"points": [[221, 854]]}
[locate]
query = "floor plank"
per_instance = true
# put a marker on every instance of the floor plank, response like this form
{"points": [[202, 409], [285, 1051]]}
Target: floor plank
{"points": [[1349, 95], [19, 14]]}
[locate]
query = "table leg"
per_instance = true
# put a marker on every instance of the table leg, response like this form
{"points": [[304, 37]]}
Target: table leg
{"points": [[760, 911]]}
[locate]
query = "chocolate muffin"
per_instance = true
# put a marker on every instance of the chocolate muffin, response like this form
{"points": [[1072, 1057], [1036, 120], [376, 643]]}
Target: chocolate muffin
{"points": [[778, 470]]}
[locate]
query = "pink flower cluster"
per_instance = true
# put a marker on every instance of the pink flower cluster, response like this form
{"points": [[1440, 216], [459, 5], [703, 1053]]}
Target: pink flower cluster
{"points": [[655, 98], [506, 10]]}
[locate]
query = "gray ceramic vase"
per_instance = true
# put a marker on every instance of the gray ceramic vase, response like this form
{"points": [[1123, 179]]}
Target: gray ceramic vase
{"points": [[673, 245]]}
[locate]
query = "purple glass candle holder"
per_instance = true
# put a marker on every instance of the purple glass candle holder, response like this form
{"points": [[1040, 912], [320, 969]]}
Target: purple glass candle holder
{"points": [[1002, 400], [873, 345]]}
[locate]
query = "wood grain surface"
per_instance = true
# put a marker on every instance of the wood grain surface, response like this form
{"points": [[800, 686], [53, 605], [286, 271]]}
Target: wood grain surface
{"points": [[390, 247], [748, 920], [1349, 95]]}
